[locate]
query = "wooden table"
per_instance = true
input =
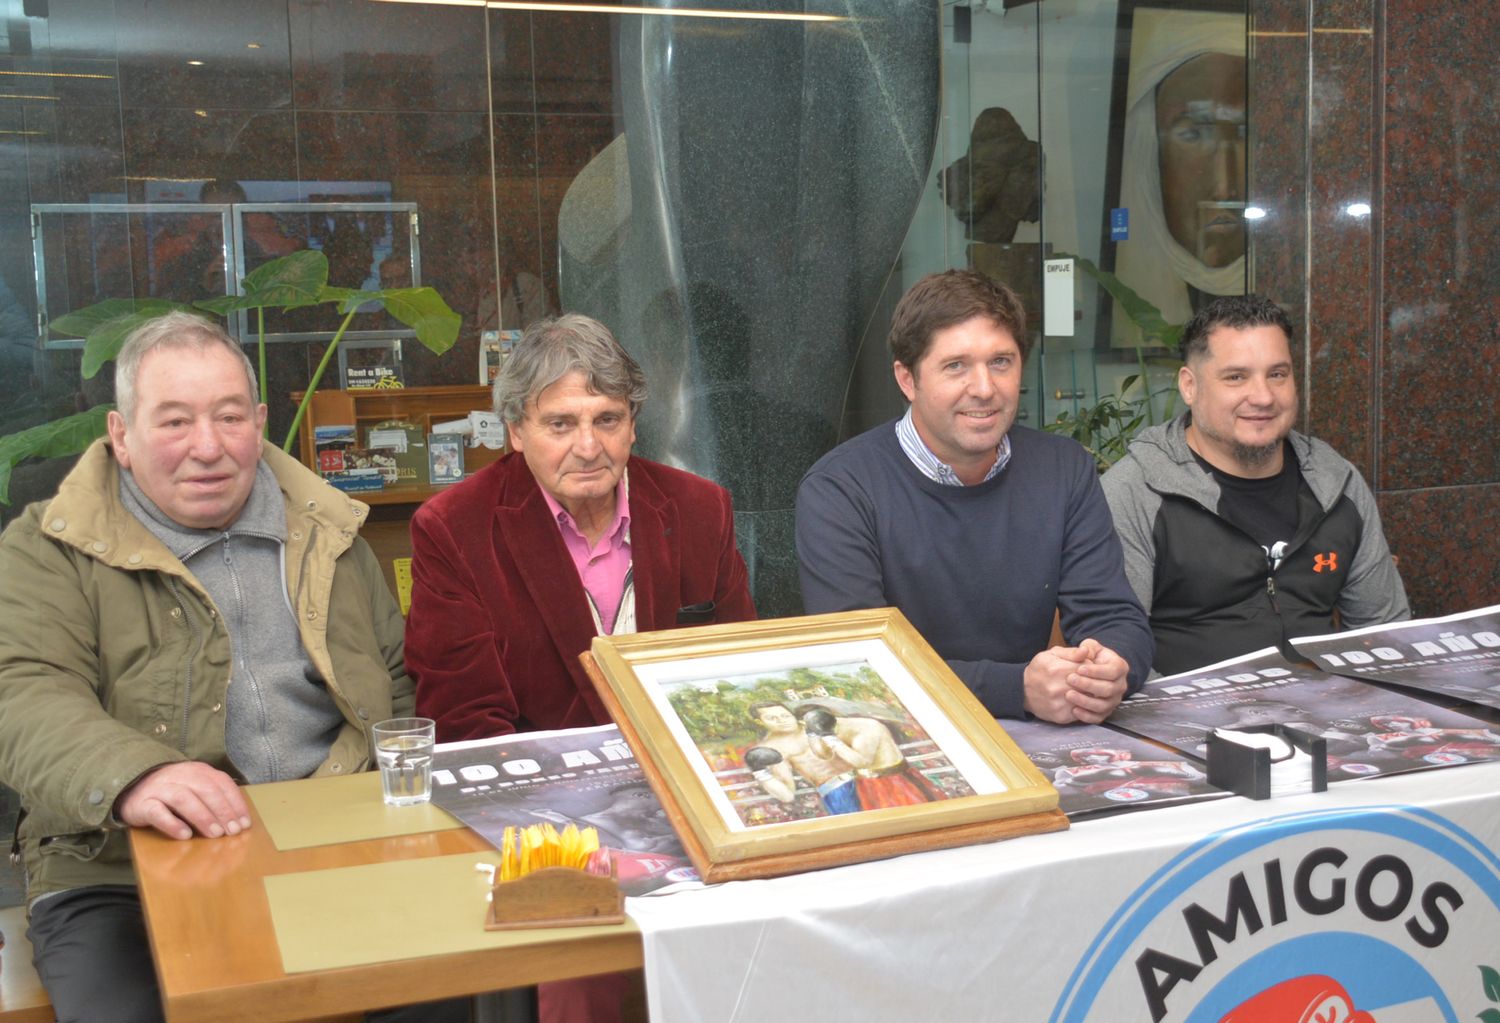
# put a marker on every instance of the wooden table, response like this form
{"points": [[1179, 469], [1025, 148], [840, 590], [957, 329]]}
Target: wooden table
{"points": [[217, 957]]}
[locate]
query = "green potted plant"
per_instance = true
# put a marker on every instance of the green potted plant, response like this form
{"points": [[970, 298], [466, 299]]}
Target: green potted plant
{"points": [[108, 321], [293, 281], [1107, 427], [300, 279]]}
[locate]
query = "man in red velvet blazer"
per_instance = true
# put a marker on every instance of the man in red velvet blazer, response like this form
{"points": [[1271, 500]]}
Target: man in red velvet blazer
{"points": [[517, 568]]}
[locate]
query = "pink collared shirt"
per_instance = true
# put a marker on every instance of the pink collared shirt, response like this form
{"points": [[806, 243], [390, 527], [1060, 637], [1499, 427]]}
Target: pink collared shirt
{"points": [[604, 569]]}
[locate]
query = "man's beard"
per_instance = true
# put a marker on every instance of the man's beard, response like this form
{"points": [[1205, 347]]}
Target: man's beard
{"points": [[1256, 455]]}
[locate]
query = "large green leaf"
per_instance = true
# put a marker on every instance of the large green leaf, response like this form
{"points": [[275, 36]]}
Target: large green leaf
{"points": [[1154, 328], [294, 280], [287, 282], [105, 325], [349, 299], [67, 436], [83, 322], [424, 310]]}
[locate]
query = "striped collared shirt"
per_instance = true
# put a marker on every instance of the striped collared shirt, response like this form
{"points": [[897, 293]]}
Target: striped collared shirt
{"points": [[935, 468]]}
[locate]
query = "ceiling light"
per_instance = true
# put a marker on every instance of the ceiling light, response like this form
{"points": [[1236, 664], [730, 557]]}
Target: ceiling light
{"points": [[1358, 209], [1254, 213], [57, 74], [196, 63]]}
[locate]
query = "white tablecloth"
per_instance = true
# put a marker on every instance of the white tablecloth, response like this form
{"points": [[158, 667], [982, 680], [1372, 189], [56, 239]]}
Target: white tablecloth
{"points": [[1389, 889]]}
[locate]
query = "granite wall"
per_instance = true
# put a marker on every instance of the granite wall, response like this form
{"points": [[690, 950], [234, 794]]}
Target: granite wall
{"points": [[1399, 305]]}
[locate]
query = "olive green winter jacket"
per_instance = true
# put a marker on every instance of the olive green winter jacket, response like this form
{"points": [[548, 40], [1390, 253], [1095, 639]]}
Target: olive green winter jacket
{"points": [[113, 659]]}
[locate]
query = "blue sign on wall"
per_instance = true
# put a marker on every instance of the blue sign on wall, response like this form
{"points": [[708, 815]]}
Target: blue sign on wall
{"points": [[1119, 224]]}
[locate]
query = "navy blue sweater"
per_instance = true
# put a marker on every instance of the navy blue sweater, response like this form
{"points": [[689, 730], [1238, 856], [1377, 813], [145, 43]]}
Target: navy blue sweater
{"points": [[978, 570]]}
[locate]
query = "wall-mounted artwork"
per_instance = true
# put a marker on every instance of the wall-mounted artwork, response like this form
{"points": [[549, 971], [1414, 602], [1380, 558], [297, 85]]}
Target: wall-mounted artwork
{"points": [[1178, 158]]}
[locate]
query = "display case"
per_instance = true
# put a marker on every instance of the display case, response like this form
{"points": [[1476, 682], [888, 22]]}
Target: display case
{"points": [[425, 407]]}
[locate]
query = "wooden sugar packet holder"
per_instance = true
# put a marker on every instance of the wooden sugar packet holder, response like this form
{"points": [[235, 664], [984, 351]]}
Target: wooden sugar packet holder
{"points": [[832, 851], [555, 897]]}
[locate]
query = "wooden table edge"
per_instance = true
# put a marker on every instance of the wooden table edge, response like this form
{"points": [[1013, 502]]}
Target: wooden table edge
{"points": [[371, 986], [277, 996]]}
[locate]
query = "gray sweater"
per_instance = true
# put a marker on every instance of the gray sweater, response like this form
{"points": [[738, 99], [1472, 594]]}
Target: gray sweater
{"points": [[281, 720]]}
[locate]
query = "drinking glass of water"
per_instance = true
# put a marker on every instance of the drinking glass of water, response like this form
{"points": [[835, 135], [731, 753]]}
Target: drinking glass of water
{"points": [[403, 746]]}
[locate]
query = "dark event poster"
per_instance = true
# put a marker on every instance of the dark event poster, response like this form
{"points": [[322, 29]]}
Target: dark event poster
{"points": [[1098, 771], [1370, 731], [586, 776], [1457, 657]]}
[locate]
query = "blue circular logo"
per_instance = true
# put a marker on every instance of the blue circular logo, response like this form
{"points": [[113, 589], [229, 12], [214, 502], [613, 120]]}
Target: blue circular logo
{"points": [[1345, 916]]}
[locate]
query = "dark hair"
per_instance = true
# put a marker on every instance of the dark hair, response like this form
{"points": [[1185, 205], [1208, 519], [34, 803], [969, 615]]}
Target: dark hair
{"points": [[1236, 312], [222, 190], [817, 720], [942, 300], [755, 708]]}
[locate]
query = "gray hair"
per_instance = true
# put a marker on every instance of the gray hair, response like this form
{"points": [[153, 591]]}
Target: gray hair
{"points": [[550, 349], [176, 329]]}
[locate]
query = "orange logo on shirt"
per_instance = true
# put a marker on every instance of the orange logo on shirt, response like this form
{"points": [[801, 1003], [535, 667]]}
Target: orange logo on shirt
{"points": [[1329, 562]]}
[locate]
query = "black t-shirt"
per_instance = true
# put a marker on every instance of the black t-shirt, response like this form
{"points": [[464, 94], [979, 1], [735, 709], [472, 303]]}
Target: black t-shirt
{"points": [[1266, 508]]}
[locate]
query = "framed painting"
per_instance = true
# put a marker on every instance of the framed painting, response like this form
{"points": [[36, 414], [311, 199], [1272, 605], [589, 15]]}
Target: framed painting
{"points": [[797, 743], [1177, 168]]}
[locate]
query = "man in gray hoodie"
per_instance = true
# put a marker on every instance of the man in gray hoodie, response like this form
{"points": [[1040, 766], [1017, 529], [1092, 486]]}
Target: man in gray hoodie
{"points": [[1240, 533]]}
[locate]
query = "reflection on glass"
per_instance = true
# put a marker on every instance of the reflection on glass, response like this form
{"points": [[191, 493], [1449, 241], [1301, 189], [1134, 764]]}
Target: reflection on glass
{"points": [[1182, 162], [86, 253], [737, 234], [1200, 132]]}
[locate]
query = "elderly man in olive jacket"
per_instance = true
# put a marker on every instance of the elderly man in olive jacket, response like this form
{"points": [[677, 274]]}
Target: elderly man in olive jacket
{"points": [[178, 556]]}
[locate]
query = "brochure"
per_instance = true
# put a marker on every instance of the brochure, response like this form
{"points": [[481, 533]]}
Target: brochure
{"points": [[1457, 657], [588, 776], [1370, 731], [1099, 771], [407, 445], [445, 458]]}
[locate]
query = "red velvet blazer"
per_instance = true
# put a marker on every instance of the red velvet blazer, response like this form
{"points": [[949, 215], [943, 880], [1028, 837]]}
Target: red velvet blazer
{"points": [[499, 616]]}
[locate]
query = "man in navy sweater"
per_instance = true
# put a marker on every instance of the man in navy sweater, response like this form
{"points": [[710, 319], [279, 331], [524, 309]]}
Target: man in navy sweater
{"points": [[977, 529]]}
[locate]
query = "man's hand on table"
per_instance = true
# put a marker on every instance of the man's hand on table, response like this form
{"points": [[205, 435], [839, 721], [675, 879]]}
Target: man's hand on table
{"points": [[1067, 684], [185, 798]]}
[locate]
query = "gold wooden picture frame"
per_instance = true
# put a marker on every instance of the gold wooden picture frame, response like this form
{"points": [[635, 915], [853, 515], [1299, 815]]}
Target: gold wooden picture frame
{"points": [[798, 743]]}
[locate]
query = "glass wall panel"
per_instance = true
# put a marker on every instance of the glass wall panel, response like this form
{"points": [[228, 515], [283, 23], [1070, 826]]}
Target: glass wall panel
{"points": [[728, 194], [739, 229], [1146, 185], [1109, 132]]}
